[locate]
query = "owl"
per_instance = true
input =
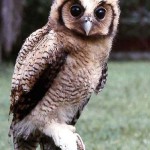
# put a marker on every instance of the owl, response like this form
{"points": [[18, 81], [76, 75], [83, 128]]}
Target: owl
{"points": [[58, 68]]}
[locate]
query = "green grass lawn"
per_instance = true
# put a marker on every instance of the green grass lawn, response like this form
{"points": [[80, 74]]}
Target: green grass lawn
{"points": [[116, 119]]}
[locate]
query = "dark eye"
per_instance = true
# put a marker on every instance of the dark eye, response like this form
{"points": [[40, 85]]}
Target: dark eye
{"points": [[76, 10], [100, 13]]}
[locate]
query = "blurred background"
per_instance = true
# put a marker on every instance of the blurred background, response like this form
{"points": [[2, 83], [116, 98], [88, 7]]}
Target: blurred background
{"points": [[21, 18], [119, 117]]}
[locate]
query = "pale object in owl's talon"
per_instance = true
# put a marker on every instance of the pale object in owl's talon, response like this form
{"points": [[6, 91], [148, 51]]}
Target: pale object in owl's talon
{"points": [[57, 70], [63, 135]]}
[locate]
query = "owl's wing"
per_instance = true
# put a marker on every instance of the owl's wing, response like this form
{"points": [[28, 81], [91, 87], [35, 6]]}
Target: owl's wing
{"points": [[35, 74], [27, 47], [102, 80]]}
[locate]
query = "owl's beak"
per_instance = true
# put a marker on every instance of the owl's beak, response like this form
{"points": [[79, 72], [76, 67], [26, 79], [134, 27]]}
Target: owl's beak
{"points": [[87, 26]]}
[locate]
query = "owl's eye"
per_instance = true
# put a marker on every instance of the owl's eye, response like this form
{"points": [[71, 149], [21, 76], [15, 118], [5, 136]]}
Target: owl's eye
{"points": [[100, 13], [76, 10]]}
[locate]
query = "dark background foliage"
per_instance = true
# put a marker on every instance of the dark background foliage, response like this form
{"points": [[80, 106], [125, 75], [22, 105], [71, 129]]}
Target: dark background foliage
{"points": [[133, 35], [134, 29]]}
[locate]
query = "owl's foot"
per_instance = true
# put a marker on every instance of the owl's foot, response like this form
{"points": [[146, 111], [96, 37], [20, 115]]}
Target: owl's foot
{"points": [[64, 136], [80, 143]]}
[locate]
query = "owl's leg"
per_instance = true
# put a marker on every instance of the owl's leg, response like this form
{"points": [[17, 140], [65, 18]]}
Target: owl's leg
{"points": [[64, 135], [22, 144]]}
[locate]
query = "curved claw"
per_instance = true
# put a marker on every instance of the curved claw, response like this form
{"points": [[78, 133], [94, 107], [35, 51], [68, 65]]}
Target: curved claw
{"points": [[80, 144]]}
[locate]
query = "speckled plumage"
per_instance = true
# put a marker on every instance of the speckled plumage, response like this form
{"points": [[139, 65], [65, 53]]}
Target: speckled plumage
{"points": [[57, 70]]}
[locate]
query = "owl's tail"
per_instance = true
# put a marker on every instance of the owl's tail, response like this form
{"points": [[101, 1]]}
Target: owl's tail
{"points": [[29, 144]]}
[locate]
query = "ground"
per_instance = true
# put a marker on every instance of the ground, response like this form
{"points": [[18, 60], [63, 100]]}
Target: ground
{"points": [[116, 119]]}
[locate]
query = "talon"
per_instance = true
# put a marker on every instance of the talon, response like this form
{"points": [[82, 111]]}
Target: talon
{"points": [[72, 128], [80, 144]]}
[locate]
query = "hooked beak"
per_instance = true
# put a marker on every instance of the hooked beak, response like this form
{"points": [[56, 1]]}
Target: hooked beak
{"points": [[87, 26]]}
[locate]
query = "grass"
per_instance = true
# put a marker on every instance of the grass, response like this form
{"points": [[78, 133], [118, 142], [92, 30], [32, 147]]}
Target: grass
{"points": [[116, 119], [5, 81]]}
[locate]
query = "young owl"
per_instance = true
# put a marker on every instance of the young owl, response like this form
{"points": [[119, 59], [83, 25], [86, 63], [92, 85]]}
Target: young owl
{"points": [[58, 68]]}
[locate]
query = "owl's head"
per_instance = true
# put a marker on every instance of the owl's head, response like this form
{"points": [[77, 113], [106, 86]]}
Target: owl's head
{"points": [[87, 17]]}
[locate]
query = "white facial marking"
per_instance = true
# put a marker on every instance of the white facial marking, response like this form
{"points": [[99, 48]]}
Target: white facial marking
{"points": [[90, 6]]}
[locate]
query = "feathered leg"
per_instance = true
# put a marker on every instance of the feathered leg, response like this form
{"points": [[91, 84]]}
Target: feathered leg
{"points": [[22, 144]]}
